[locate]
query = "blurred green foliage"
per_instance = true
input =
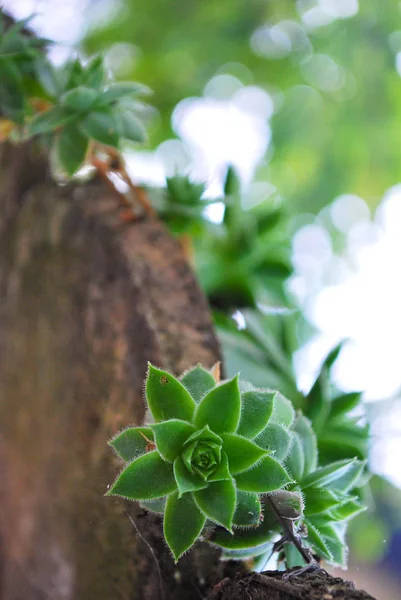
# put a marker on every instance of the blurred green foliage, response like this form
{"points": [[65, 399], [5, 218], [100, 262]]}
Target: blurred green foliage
{"points": [[337, 91]]}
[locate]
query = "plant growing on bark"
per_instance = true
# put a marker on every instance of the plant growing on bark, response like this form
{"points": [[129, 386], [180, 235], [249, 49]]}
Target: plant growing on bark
{"points": [[237, 467]]}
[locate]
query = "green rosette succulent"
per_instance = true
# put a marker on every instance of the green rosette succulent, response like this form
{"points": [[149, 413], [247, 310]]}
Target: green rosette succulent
{"points": [[238, 467], [198, 462]]}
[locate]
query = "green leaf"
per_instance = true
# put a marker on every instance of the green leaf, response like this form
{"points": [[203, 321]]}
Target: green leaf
{"points": [[257, 408], [247, 553], [242, 453], [283, 411], [156, 506], [347, 510], [319, 500], [170, 437], [102, 126], [350, 478], [316, 539], [129, 127], [247, 538], [186, 481], [220, 408], [167, 397], [217, 502], [130, 443], [183, 523], [145, 478], [333, 355], [47, 76], [329, 474], [205, 435], [50, 120], [198, 382], [295, 461], [276, 439], [335, 542], [79, 99], [267, 476], [307, 437], [248, 510], [293, 557], [222, 471], [94, 73], [344, 404], [317, 402], [11, 91], [72, 146], [121, 89]]}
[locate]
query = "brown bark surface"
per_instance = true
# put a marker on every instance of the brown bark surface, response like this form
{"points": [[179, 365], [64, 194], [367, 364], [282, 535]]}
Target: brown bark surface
{"points": [[85, 302]]}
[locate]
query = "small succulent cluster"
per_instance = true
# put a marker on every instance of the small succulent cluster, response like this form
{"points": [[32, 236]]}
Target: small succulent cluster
{"points": [[69, 107], [234, 465]]}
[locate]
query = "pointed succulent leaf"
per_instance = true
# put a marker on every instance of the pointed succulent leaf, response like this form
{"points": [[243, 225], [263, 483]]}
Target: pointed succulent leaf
{"points": [[242, 453], [247, 538], [276, 439], [205, 435], [345, 403], [222, 471], [170, 437], [295, 461], [79, 99], [347, 510], [94, 73], [185, 480], [283, 411], [319, 500], [293, 557], [317, 541], [217, 502], [323, 476], [147, 477], [318, 402], [101, 125], [157, 506], [248, 510], [268, 475], [350, 479], [257, 408], [333, 355], [50, 120], [247, 553], [183, 523], [335, 542], [167, 397], [308, 440], [72, 146], [132, 442], [129, 127], [198, 382], [120, 89], [220, 408]]}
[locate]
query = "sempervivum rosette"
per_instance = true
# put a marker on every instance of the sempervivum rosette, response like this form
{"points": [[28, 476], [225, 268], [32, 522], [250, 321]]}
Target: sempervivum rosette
{"points": [[205, 458]]}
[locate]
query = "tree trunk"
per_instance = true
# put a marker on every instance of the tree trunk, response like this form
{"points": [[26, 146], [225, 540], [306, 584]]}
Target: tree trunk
{"points": [[86, 301]]}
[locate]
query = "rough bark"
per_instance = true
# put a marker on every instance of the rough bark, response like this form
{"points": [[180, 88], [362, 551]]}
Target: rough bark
{"points": [[276, 585], [85, 302]]}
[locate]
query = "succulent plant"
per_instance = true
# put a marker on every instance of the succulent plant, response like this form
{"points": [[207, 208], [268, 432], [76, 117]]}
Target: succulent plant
{"points": [[232, 464]]}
